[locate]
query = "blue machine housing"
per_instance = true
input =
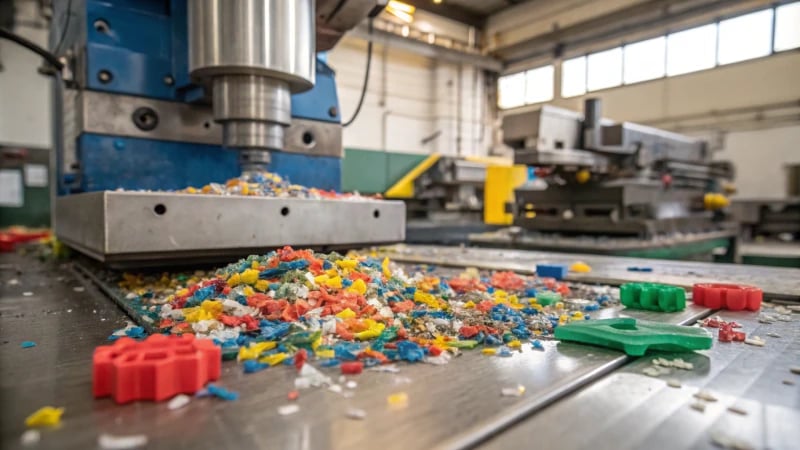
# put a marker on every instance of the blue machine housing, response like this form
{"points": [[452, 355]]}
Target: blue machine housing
{"points": [[143, 45]]}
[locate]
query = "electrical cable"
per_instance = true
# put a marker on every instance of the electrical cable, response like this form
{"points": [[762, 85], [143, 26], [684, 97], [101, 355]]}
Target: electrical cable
{"points": [[49, 57], [66, 27], [366, 78]]}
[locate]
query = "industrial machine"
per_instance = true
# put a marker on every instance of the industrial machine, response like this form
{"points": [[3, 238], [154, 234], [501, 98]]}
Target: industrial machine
{"points": [[165, 94], [604, 178]]}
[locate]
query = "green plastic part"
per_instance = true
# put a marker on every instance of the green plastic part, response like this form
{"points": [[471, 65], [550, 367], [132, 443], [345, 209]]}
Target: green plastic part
{"points": [[652, 297], [545, 298], [635, 337], [462, 344]]}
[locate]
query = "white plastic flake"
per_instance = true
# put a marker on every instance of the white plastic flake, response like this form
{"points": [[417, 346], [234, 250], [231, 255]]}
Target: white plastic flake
{"points": [[705, 395], [356, 414], [755, 340], [111, 442], [725, 440], [179, 401], [513, 391], [289, 409], [30, 437], [675, 383]]}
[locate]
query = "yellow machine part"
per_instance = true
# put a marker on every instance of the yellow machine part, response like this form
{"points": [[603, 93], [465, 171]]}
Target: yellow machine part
{"points": [[499, 190], [404, 188]]}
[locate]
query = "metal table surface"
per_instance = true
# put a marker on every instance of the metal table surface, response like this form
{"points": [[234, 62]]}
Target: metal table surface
{"points": [[629, 410], [450, 406], [777, 283]]}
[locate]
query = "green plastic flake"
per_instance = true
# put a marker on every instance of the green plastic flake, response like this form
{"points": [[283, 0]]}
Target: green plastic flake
{"points": [[652, 297], [635, 337], [462, 344], [545, 298]]}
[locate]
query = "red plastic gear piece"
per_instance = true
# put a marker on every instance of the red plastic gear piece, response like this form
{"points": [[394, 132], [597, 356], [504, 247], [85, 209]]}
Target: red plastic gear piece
{"points": [[734, 297], [157, 368]]}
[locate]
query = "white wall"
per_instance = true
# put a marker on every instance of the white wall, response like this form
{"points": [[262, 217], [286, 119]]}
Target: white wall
{"points": [[410, 98], [24, 93], [761, 157]]}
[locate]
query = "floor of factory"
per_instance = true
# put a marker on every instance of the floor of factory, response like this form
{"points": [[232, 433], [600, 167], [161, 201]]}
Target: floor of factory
{"points": [[576, 396]]}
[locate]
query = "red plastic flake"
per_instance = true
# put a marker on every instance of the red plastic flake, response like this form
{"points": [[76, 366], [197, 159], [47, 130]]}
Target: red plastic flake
{"points": [[734, 297], [300, 358], [352, 367], [462, 285], [468, 331], [434, 350], [293, 395], [508, 281], [727, 334], [157, 368]]}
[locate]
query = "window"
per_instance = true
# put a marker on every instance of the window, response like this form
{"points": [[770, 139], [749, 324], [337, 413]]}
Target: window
{"points": [[604, 69], [573, 77], [524, 88], [511, 91], [745, 37], [539, 85], [787, 27], [692, 50], [645, 60]]}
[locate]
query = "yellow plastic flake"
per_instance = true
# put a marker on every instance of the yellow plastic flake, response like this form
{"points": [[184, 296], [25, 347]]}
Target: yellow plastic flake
{"points": [[45, 417], [488, 351], [273, 359], [358, 286], [234, 280], [317, 342], [469, 305], [335, 282], [255, 350], [248, 291], [580, 267], [374, 329], [347, 263], [245, 189], [325, 354], [320, 279], [191, 190], [182, 293], [398, 400], [262, 285], [385, 266], [208, 310], [577, 315], [249, 276], [427, 299], [514, 344], [346, 313]]}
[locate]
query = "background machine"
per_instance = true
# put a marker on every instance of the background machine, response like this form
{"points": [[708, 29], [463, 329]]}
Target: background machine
{"points": [[601, 177], [165, 94]]}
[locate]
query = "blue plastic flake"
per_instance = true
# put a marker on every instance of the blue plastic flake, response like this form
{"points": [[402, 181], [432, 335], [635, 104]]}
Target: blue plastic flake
{"points": [[530, 311], [591, 307], [328, 265], [493, 340], [253, 366], [640, 269], [557, 271], [537, 344], [503, 351], [602, 299], [347, 351], [521, 332], [283, 268], [410, 290], [274, 286], [333, 362], [530, 292], [272, 333], [410, 351], [27, 344], [135, 332], [490, 289], [370, 362], [221, 392], [242, 300], [346, 282]]}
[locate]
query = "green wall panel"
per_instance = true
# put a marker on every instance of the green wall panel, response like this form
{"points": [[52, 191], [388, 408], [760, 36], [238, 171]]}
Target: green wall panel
{"points": [[374, 171]]}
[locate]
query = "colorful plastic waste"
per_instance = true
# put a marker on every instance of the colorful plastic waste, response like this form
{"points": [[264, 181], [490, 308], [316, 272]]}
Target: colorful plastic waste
{"points": [[640, 269], [580, 267], [735, 297], [635, 337], [27, 344], [157, 368], [652, 297], [728, 334], [557, 271]]}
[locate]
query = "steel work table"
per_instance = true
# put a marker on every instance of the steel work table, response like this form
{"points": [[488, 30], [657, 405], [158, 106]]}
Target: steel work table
{"points": [[450, 406]]}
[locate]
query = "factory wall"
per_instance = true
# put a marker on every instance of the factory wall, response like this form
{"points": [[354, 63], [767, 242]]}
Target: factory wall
{"points": [[24, 94], [414, 104]]}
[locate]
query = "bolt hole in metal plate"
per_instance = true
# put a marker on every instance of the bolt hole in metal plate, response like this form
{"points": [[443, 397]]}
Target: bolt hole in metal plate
{"points": [[160, 209], [285, 211]]}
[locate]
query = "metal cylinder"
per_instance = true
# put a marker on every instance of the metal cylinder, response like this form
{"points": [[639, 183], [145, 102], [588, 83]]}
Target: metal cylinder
{"points": [[253, 54]]}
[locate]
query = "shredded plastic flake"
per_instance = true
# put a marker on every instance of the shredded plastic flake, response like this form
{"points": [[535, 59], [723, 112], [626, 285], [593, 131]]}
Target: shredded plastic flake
{"points": [[47, 416]]}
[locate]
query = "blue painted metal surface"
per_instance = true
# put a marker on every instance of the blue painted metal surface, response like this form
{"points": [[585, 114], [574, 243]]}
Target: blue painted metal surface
{"points": [[145, 48], [112, 162]]}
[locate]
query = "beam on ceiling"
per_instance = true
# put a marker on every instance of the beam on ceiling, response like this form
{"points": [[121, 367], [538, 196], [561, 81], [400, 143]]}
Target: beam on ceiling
{"points": [[423, 48], [452, 12]]}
